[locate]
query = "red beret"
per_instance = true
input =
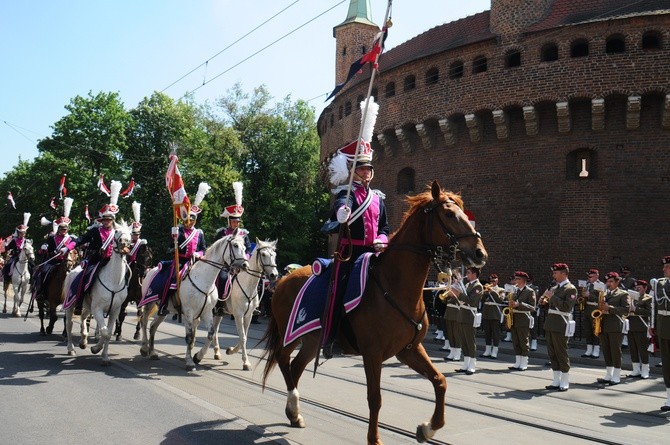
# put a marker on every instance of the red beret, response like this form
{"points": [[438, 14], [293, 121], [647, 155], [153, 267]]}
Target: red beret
{"points": [[493, 277], [641, 283], [593, 272], [559, 266], [521, 274], [614, 275]]}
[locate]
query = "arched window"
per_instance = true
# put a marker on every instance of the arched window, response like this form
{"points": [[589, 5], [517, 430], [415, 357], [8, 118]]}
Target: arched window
{"points": [[479, 64], [513, 59], [456, 70], [652, 40], [405, 184], [581, 164], [390, 89], [410, 82], [549, 52], [347, 108], [615, 44], [432, 76], [579, 48]]}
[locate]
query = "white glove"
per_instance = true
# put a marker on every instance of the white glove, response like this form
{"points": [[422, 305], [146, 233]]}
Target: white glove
{"points": [[44, 247], [175, 232], [378, 245], [343, 214], [63, 250]]}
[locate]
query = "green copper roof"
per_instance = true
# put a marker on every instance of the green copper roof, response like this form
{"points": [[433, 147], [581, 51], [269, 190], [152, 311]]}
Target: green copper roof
{"points": [[359, 12]]}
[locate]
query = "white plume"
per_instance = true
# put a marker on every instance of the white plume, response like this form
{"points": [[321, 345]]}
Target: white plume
{"points": [[67, 207], [338, 170], [26, 217], [237, 188], [370, 119], [114, 190], [136, 210], [44, 221], [203, 189], [54, 227]]}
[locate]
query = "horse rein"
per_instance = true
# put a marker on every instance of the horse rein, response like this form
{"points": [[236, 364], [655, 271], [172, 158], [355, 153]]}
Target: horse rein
{"points": [[256, 274]]}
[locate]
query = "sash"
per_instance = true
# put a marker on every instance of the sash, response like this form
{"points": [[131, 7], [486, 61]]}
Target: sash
{"points": [[363, 207], [107, 242], [188, 239], [136, 247], [65, 239]]}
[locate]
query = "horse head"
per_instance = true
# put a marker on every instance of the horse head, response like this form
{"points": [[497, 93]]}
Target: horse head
{"points": [[266, 258], [28, 250], [235, 252], [122, 239], [441, 225]]}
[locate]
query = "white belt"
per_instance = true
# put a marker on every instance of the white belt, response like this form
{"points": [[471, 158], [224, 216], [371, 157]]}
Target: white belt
{"points": [[454, 306], [491, 303], [591, 303], [564, 314], [665, 313]]}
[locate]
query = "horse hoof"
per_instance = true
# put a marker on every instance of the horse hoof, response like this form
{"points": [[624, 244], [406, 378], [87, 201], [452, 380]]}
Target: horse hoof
{"points": [[217, 356], [154, 357], [298, 423], [118, 337], [246, 367], [49, 330], [144, 352], [43, 333], [71, 353], [4, 311], [136, 336], [196, 360], [229, 351], [95, 349], [424, 432], [190, 368], [83, 345]]}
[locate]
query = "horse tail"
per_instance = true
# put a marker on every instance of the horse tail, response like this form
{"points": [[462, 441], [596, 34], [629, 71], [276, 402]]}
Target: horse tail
{"points": [[273, 343]]}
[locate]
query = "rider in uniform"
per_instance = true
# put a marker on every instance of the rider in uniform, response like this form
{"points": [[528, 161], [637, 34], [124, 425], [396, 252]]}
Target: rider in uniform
{"points": [[138, 245], [364, 212], [13, 249], [53, 250]]}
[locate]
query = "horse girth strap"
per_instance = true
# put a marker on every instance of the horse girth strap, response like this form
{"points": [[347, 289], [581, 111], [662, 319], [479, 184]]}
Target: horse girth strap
{"points": [[418, 325]]}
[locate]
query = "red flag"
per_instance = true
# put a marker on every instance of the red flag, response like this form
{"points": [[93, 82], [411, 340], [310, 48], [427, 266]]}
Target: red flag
{"points": [[175, 186], [101, 185], [86, 214], [129, 190], [52, 204], [61, 187], [11, 199]]}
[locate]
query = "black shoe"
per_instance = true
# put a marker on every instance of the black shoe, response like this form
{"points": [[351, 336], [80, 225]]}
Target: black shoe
{"points": [[552, 387], [587, 355], [611, 383], [514, 368], [605, 381], [462, 370], [665, 408], [562, 389], [468, 372], [658, 365]]}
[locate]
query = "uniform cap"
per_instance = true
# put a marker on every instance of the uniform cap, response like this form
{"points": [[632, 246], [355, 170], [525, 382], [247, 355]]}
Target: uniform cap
{"points": [[559, 266]]}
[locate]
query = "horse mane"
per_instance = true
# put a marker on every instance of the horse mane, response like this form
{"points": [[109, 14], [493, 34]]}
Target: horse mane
{"points": [[266, 243], [420, 200], [121, 225]]}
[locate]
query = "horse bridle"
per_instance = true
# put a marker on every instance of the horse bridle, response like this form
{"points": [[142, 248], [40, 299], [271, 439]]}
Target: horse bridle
{"points": [[223, 264], [261, 273]]}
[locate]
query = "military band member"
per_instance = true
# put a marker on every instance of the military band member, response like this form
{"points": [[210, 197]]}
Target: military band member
{"points": [[522, 304], [591, 304], [534, 314], [451, 323], [627, 281], [615, 307], [558, 325], [469, 301], [662, 302], [493, 303], [640, 311]]}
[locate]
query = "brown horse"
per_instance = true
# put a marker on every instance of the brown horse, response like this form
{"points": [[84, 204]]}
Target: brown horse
{"points": [[391, 318], [53, 293], [138, 269]]}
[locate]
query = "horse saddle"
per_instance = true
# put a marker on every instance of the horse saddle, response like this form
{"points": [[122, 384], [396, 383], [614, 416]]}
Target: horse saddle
{"points": [[310, 303]]}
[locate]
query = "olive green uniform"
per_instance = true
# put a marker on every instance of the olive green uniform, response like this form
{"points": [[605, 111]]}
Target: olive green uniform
{"points": [[638, 319], [559, 315], [466, 316], [663, 325], [522, 316], [492, 306], [612, 326]]}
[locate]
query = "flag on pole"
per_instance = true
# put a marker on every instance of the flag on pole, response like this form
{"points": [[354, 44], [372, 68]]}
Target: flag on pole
{"points": [[127, 193], [369, 57], [175, 186], [86, 214], [61, 187], [11, 199], [101, 185], [52, 204]]}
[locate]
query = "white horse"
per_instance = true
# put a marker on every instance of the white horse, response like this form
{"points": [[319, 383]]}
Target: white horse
{"points": [[105, 296], [20, 277], [244, 298], [197, 294]]}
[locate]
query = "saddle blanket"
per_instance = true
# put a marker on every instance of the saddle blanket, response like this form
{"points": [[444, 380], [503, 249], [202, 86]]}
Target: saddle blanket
{"points": [[310, 303], [81, 283], [162, 282]]}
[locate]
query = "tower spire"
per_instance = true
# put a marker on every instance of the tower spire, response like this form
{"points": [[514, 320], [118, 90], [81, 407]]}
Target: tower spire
{"points": [[359, 12]]}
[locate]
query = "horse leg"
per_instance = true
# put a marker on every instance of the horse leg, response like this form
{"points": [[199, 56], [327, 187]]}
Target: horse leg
{"points": [[53, 318], [216, 323], [121, 319], [18, 300], [5, 286], [69, 314], [42, 315], [211, 333], [292, 370], [239, 326], [246, 322], [373, 370], [144, 321], [106, 335], [152, 335], [190, 327], [137, 326], [417, 359], [84, 324]]}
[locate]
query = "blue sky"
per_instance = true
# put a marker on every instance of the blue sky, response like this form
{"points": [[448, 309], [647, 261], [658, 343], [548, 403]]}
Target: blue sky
{"points": [[55, 50]]}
